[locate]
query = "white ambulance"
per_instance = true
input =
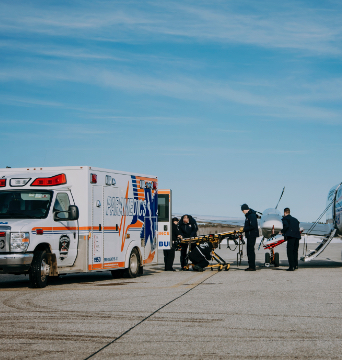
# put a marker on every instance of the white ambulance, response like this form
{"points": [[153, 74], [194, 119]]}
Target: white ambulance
{"points": [[61, 220]]}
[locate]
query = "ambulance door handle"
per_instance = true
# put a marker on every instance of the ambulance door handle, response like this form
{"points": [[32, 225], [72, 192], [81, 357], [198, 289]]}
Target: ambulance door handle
{"points": [[165, 227], [99, 227]]}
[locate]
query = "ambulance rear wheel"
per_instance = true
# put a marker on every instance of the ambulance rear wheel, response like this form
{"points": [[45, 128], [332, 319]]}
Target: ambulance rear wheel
{"points": [[134, 264], [40, 270], [276, 259]]}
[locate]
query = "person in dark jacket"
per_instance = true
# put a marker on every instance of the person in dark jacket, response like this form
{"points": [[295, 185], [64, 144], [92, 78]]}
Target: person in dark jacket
{"points": [[187, 229], [169, 255], [251, 231], [200, 255], [292, 235]]}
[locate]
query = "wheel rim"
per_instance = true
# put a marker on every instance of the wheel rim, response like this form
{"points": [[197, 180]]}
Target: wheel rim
{"points": [[44, 270], [134, 263]]}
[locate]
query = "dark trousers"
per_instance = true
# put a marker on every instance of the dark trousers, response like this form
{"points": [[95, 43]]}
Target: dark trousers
{"points": [[199, 262], [169, 257], [251, 252], [292, 252], [184, 252]]}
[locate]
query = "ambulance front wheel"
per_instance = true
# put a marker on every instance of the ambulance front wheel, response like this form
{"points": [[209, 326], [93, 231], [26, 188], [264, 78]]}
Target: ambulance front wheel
{"points": [[40, 270], [134, 264]]}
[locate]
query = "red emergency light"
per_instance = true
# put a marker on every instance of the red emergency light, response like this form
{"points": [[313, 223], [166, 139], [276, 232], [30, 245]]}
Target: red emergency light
{"points": [[39, 231], [93, 178], [2, 234], [2, 182], [51, 181], [154, 185]]}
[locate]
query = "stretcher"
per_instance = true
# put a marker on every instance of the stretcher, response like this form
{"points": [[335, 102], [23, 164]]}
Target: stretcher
{"points": [[216, 240]]}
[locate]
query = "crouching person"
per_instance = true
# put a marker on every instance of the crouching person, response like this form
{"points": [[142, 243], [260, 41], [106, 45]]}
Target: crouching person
{"points": [[200, 255]]}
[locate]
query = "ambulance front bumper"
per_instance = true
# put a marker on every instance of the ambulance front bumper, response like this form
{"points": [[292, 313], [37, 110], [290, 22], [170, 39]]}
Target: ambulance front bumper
{"points": [[15, 263]]}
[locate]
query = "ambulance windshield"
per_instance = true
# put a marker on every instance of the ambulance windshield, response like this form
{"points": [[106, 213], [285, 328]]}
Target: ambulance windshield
{"points": [[24, 204]]}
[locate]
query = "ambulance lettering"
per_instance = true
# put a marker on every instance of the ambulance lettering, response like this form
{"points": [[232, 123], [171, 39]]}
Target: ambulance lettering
{"points": [[117, 206]]}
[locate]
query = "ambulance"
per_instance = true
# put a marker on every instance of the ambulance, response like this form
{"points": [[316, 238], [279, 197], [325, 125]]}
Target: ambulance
{"points": [[62, 220]]}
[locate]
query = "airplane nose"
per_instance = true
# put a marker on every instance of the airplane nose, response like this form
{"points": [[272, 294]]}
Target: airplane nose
{"points": [[268, 226]]}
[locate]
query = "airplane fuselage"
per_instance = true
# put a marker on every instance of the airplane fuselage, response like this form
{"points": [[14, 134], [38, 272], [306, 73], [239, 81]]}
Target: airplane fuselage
{"points": [[270, 222]]}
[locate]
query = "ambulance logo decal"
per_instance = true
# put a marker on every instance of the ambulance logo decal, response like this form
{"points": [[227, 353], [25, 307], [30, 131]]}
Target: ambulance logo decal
{"points": [[64, 244]]}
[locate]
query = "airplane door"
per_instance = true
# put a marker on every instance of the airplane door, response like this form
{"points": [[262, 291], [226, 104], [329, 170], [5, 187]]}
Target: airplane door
{"points": [[111, 240], [97, 227], [164, 219]]}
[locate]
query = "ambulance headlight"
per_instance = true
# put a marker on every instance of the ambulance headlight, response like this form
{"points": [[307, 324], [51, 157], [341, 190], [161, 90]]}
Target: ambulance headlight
{"points": [[20, 241]]}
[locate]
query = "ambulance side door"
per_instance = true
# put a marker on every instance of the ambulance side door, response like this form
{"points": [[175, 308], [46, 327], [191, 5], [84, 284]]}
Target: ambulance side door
{"points": [[64, 231], [164, 219], [111, 222], [97, 227]]}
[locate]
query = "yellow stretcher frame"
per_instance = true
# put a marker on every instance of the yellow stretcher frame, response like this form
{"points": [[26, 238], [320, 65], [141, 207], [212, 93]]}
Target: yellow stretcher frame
{"points": [[215, 239]]}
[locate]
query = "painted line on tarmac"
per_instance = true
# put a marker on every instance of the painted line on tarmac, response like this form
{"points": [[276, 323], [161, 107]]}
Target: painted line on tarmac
{"points": [[193, 286]]}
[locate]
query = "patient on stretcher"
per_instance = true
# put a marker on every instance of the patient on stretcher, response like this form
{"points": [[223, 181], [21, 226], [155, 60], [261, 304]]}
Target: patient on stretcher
{"points": [[200, 255]]}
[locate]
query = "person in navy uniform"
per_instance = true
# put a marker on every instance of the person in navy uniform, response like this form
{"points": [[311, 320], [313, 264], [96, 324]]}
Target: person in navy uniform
{"points": [[187, 229], [292, 235], [201, 255], [169, 255], [251, 231]]}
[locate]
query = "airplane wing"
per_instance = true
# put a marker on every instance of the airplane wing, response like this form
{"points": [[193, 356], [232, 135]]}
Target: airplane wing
{"points": [[318, 230]]}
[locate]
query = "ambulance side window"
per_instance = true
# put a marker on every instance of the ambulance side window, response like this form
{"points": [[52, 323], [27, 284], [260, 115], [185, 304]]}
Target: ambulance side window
{"points": [[163, 208], [62, 204]]}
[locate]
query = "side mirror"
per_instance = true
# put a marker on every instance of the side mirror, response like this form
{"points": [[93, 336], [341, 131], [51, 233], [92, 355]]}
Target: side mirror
{"points": [[73, 214]]}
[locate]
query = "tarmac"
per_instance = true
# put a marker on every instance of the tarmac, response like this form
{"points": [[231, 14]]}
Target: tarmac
{"points": [[267, 314]]}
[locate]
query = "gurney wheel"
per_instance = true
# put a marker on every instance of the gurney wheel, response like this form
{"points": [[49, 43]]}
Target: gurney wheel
{"points": [[211, 269], [227, 267]]}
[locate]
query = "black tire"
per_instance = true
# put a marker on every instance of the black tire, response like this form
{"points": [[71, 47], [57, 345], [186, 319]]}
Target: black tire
{"points": [[276, 259], [267, 258], [39, 271], [117, 274], [134, 264]]}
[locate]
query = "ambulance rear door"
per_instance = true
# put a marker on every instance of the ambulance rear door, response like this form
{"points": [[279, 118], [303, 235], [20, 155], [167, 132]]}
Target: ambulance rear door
{"points": [[164, 219]]}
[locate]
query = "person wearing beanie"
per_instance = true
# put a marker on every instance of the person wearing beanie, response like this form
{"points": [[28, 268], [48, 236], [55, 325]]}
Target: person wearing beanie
{"points": [[251, 231], [187, 229]]}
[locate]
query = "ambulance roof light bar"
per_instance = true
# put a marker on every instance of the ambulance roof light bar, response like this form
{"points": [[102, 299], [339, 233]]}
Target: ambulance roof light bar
{"points": [[50, 181]]}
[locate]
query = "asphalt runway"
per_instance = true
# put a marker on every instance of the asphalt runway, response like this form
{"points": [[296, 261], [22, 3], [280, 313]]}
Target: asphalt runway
{"points": [[267, 314]]}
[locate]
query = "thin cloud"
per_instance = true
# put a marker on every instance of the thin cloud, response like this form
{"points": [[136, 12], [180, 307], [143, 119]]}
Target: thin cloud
{"points": [[289, 26]]}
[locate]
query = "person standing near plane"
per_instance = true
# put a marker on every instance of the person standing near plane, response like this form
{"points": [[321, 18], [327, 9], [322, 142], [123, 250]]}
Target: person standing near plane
{"points": [[251, 231], [292, 235], [187, 229]]}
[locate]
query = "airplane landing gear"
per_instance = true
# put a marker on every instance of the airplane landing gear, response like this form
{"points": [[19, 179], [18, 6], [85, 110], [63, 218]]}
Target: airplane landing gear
{"points": [[272, 258]]}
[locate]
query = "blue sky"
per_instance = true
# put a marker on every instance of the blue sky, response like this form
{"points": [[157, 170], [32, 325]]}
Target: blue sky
{"points": [[225, 101]]}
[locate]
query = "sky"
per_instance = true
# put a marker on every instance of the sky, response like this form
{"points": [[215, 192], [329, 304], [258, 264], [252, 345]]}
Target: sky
{"points": [[226, 101]]}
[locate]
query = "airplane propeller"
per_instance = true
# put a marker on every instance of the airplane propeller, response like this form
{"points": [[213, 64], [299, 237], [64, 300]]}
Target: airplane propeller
{"points": [[280, 197]]}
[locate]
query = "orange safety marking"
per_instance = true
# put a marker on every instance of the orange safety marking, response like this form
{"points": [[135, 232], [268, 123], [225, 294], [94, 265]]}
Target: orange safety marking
{"points": [[114, 265], [123, 237], [95, 266], [150, 258], [164, 192]]}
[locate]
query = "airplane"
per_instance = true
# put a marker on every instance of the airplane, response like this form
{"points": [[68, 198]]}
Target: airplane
{"points": [[270, 224]]}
